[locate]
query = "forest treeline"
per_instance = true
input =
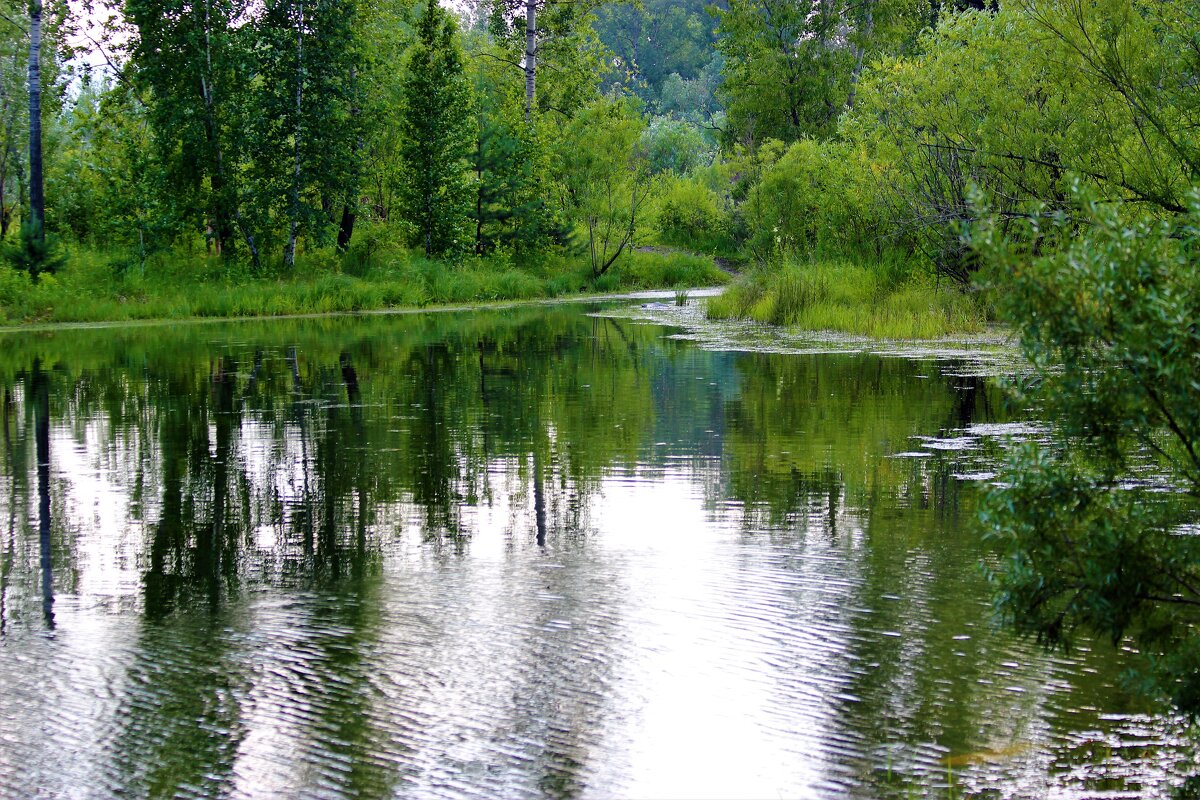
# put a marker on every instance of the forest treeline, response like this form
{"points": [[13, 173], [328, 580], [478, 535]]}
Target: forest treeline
{"points": [[228, 138]]}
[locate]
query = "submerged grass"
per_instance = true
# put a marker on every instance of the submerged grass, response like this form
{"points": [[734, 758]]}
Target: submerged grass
{"points": [[886, 300], [96, 287]]}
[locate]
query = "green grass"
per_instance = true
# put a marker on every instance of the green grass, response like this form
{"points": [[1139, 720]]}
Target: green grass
{"points": [[98, 287], [886, 300]]}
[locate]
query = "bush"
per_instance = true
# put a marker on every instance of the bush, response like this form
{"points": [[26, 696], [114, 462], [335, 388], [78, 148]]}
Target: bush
{"points": [[812, 199], [675, 146], [691, 215], [14, 286], [373, 243], [32, 255]]}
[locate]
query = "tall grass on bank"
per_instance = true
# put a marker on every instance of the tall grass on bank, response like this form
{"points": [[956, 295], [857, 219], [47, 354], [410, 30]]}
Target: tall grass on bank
{"points": [[93, 286], [886, 300]]}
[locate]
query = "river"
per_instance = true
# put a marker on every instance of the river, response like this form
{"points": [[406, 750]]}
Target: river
{"points": [[590, 550]]}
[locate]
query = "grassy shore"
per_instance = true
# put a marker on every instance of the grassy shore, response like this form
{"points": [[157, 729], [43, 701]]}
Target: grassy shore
{"points": [[886, 300], [94, 287]]}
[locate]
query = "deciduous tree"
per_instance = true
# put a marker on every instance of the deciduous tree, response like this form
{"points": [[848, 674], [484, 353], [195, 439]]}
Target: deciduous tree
{"points": [[607, 178], [1098, 522]]}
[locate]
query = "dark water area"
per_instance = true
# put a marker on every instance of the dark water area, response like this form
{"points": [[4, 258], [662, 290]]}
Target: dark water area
{"points": [[536, 552]]}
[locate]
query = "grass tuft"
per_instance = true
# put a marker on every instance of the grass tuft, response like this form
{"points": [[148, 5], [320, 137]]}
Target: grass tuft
{"points": [[882, 301]]}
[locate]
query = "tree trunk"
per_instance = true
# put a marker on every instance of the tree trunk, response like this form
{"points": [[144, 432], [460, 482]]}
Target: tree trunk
{"points": [[37, 199], [22, 183], [868, 28], [530, 57], [479, 186], [221, 229], [289, 255], [219, 217], [5, 210], [346, 228], [223, 211], [350, 207]]}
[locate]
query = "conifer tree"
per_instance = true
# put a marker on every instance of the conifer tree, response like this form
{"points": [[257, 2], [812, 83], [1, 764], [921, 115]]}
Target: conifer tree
{"points": [[436, 124], [510, 162]]}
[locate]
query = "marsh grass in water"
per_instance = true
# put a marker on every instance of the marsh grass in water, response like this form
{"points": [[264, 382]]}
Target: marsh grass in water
{"points": [[887, 300], [93, 286]]}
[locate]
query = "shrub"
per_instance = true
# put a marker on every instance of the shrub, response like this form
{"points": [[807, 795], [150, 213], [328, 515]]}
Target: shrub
{"points": [[675, 146], [691, 215], [373, 243], [1098, 521], [14, 286], [33, 255], [813, 198]]}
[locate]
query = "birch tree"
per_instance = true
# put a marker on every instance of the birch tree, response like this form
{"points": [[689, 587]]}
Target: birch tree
{"points": [[550, 31], [304, 144], [37, 198], [191, 59]]}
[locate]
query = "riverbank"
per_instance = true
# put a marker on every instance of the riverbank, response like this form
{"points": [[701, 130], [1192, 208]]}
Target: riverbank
{"points": [[884, 300], [93, 288], [889, 299]]}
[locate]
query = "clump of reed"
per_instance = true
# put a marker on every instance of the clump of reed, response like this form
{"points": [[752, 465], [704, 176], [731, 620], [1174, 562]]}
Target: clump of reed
{"points": [[888, 300]]}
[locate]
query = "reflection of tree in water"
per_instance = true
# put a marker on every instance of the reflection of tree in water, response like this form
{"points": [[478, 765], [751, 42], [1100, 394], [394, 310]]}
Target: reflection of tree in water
{"points": [[37, 556], [179, 723], [809, 455], [305, 457], [9, 545], [40, 389], [810, 433], [194, 547], [437, 424], [561, 679], [885, 552]]}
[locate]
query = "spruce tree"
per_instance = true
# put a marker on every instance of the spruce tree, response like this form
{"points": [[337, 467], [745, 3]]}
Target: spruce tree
{"points": [[510, 163], [436, 124]]}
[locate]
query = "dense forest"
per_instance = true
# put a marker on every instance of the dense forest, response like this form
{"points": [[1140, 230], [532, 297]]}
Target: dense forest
{"points": [[554, 142], [542, 146], [887, 167]]}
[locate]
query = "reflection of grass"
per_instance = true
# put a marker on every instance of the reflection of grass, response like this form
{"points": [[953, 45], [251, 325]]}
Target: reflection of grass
{"points": [[886, 301], [94, 287]]}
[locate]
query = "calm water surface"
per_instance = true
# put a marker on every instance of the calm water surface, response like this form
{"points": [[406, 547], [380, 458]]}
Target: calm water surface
{"points": [[526, 553]]}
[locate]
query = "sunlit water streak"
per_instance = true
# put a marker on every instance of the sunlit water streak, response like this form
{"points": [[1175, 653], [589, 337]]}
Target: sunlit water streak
{"points": [[531, 554]]}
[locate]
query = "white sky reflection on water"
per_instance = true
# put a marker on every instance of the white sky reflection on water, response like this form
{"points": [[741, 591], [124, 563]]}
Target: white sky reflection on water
{"points": [[674, 557]]}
